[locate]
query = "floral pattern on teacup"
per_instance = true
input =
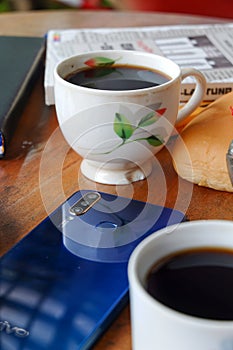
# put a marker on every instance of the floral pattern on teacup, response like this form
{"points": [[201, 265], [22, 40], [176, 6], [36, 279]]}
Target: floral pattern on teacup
{"points": [[100, 61], [125, 130], [116, 130]]}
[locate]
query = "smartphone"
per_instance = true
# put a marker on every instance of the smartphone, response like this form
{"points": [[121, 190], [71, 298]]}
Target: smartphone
{"points": [[63, 284]]}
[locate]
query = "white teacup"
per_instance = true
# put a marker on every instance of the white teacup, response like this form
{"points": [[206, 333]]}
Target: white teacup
{"points": [[156, 325], [118, 132]]}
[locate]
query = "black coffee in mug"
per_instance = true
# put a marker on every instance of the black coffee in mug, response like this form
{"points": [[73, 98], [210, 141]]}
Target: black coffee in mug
{"points": [[197, 282], [117, 77]]}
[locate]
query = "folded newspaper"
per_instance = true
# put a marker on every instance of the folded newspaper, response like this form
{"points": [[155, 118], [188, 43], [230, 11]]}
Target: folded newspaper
{"points": [[208, 48]]}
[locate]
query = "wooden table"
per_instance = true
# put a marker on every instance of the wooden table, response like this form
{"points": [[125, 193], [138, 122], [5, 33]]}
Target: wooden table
{"points": [[30, 189]]}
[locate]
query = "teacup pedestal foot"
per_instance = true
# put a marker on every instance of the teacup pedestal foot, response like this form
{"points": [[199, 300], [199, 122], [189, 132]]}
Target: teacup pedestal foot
{"points": [[114, 175]]}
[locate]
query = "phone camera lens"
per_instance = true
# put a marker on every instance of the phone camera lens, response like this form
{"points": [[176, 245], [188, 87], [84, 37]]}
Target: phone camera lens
{"points": [[84, 203], [77, 210], [92, 195]]}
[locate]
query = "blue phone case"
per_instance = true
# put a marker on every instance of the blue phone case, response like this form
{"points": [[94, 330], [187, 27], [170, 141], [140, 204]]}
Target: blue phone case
{"points": [[63, 284]]}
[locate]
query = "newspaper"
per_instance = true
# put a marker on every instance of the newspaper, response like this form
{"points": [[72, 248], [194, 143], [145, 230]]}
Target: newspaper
{"points": [[208, 48]]}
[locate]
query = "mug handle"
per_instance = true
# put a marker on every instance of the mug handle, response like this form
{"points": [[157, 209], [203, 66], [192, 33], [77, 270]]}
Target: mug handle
{"points": [[198, 94]]}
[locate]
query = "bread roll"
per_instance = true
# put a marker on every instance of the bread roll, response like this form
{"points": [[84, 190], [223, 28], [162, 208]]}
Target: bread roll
{"points": [[199, 155]]}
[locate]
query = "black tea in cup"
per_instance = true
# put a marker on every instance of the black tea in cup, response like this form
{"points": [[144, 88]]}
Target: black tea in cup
{"points": [[117, 77], [197, 282]]}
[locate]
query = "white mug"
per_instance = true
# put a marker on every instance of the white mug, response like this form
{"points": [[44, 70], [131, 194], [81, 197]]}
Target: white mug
{"points": [[87, 116], [157, 326]]}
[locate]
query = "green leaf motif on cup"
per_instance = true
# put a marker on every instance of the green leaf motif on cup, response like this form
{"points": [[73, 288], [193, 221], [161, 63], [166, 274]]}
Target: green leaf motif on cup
{"points": [[155, 140], [125, 130], [100, 62], [148, 119], [105, 67], [122, 126]]}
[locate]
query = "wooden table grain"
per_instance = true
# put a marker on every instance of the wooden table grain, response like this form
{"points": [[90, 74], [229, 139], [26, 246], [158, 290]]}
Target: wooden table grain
{"points": [[41, 171]]}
